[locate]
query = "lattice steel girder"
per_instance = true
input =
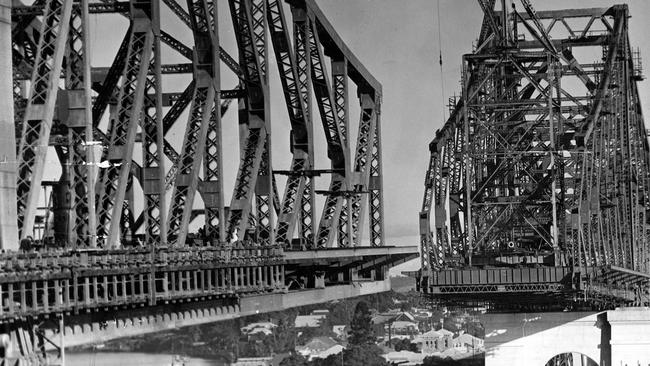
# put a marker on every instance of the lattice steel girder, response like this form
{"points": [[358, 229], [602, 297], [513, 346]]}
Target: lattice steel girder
{"points": [[249, 21], [376, 186], [265, 189], [357, 72], [292, 80], [342, 105], [118, 85], [113, 180], [153, 142], [202, 112], [212, 187], [334, 136], [542, 168], [362, 162], [186, 182], [40, 110], [306, 200], [79, 183]]}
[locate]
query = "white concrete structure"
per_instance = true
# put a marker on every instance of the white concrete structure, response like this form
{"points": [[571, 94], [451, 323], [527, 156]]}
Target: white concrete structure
{"points": [[610, 338], [405, 358]]}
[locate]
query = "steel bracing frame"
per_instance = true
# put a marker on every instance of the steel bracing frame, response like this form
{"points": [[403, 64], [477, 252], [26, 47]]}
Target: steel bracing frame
{"points": [[119, 225], [545, 155], [315, 67]]}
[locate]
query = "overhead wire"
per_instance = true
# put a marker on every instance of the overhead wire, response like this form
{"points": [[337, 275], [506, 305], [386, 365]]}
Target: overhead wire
{"points": [[442, 75]]}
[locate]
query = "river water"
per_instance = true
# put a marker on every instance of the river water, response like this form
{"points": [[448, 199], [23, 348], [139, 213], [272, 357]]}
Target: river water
{"points": [[130, 358]]}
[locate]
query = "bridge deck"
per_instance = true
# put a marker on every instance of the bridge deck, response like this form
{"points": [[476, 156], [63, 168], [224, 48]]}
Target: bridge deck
{"points": [[93, 327], [37, 284]]}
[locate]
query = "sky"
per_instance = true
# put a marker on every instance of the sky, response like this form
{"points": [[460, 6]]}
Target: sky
{"points": [[398, 42]]}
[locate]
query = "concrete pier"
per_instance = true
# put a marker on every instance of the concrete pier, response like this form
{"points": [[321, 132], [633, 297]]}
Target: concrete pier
{"points": [[8, 170]]}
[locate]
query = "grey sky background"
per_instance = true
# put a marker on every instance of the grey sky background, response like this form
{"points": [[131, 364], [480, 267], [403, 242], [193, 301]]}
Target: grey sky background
{"points": [[397, 40]]}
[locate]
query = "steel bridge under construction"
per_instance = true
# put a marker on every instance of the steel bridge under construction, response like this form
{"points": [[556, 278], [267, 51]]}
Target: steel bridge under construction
{"points": [[134, 235], [539, 180]]}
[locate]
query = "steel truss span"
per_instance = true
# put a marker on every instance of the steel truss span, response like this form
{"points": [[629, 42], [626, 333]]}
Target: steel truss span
{"points": [[138, 217], [544, 160]]}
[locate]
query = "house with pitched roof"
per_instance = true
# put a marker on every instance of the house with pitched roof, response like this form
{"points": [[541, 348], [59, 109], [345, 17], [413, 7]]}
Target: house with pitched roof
{"points": [[435, 341], [320, 347], [468, 342]]}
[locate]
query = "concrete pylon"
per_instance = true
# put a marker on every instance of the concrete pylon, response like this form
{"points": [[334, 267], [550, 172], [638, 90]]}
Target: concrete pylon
{"points": [[8, 166]]}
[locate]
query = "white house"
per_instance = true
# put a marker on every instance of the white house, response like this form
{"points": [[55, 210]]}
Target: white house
{"points": [[435, 341], [405, 358], [261, 327], [309, 321], [320, 347], [468, 342]]}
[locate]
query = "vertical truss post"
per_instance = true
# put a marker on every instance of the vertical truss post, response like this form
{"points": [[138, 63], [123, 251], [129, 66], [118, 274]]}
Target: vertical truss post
{"points": [[201, 113], [186, 181], [362, 161], [375, 183], [8, 223], [553, 85], [215, 216], [341, 101], [327, 226], [212, 185], [114, 179], [78, 224], [467, 174], [40, 110], [300, 137], [249, 21], [306, 200], [153, 170], [430, 254], [264, 192]]}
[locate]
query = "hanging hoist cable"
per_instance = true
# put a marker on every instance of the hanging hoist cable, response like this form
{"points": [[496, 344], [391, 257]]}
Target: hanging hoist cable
{"points": [[442, 75]]}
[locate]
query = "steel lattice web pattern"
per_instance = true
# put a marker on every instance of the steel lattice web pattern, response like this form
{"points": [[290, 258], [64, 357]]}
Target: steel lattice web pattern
{"points": [[138, 217], [544, 158], [104, 210]]}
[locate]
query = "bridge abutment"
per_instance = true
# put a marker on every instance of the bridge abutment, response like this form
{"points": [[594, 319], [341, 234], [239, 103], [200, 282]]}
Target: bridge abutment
{"points": [[610, 338]]}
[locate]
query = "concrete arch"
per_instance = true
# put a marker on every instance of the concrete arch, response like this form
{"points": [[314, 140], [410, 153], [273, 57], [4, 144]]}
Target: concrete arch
{"points": [[571, 359], [534, 338]]}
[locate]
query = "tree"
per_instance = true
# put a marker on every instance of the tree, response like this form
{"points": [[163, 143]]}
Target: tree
{"points": [[285, 334], [363, 355], [294, 360], [361, 326], [405, 345], [432, 361], [437, 361]]}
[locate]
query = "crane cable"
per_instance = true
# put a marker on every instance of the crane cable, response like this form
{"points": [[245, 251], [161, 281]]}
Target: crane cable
{"points": [[442, 77]]}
